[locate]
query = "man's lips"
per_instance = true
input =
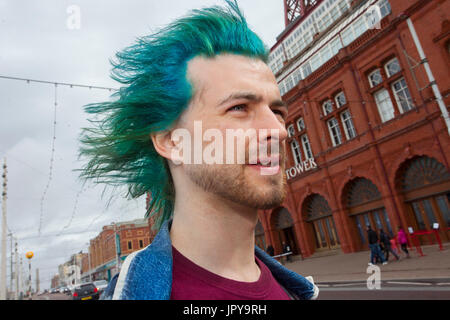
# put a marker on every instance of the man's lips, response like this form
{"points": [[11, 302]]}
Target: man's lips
{"points": [[271, 161]]}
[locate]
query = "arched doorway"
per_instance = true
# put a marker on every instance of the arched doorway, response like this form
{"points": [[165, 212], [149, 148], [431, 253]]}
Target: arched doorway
{"points": [[260, 240], [424, 184], [366, 208], [320, 218], [284, 227]]}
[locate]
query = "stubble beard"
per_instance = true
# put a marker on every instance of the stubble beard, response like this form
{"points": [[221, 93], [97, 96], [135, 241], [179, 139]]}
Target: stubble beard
{"points": [[232, 183]]}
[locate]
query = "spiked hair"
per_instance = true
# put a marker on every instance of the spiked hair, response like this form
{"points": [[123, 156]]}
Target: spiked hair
{"points": [[155, 91]]}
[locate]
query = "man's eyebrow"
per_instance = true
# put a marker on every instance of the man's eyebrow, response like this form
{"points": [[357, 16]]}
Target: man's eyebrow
{"points": [[241, 95], [251, 97], [279, 103]]}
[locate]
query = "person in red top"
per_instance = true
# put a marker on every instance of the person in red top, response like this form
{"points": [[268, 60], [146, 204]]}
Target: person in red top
{"points": [[192, 282]]}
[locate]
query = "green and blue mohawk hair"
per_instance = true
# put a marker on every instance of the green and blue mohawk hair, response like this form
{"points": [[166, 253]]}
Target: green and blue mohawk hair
{"points": [[155, 91]]}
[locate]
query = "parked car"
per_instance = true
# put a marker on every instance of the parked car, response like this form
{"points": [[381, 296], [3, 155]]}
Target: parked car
{"points": [[85, 291], [54, 290], [101, 285], [66, 290]]}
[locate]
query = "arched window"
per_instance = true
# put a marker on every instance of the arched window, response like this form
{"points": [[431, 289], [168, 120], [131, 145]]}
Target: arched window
{"points": [[317, 207], [422, 171], [319, 215], [361, 191], [284, 219]]}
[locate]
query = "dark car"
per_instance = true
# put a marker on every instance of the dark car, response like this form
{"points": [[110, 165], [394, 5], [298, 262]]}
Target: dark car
{"points": [[85, 291], [101, 285]]}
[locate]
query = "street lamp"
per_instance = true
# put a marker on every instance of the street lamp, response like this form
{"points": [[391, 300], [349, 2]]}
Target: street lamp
{"points": [[29, 255], [117, 246], [89, 261]]}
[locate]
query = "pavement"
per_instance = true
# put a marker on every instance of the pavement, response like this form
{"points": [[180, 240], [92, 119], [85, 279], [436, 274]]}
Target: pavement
{"points": [[338, 267]]}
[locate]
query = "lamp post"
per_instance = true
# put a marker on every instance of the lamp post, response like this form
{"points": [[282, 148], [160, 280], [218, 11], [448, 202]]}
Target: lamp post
{"points": [[89, 261], [29, 255], [117, 246]]}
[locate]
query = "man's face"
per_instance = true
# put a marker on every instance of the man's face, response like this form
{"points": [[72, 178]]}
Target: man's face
{"points": [[237, 92]]}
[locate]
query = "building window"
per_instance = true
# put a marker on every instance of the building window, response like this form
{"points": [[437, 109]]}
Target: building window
{"points": [[306, 146], [347, 36], [297, 76], [375, 78], [130, 245], [315, 61], [392, 67], [335, 46], [141, 244], [295, 147], [289, 83], [301, 124], [384, 105], [385, 8], [402, 95], [291, 130], [306, 69], [360, 27], [325, 54], [340, 99], [349, 128], [335, 131], [327, 107]]}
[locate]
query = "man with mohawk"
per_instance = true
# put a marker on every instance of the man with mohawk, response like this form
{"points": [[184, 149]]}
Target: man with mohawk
{"points": [[210, 67]]}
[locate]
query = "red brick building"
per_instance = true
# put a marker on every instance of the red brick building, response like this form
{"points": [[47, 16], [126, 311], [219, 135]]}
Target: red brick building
{"points": [[368, 143], [134, 235]]}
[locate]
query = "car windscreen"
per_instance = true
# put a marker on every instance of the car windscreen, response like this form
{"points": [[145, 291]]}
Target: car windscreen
{"points": [[86, 287]]}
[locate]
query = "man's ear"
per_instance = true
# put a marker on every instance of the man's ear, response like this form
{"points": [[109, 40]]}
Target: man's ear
{"points": [[163, 143], [167, 143]]}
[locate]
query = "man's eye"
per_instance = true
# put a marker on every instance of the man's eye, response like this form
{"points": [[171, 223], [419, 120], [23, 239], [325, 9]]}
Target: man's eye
{"points": [[279, 112], [240, 107]]}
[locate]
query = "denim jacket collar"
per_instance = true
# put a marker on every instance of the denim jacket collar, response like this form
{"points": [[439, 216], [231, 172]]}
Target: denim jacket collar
{"points": [[147, 274]]}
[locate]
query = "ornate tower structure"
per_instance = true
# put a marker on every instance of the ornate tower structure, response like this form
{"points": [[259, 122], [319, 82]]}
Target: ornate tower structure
{"points": [[297, 8]]}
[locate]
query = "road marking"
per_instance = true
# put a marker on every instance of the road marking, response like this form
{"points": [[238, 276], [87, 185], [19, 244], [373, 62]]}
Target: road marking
{"points": [[443, 284], [322, 285], [347, 284], [410, 283]]}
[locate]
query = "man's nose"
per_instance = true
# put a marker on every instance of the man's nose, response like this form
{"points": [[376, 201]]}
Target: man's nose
{"points": [[269, 120]]}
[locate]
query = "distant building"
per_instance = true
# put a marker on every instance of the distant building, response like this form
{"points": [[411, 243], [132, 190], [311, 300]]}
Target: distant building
{"points": [[70, 271], [55, 281], [101, 262]]}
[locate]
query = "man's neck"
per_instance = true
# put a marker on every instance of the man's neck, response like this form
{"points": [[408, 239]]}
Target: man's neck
{"points": [[216, 234]]}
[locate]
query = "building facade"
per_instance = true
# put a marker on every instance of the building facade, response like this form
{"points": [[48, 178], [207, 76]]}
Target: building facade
{"points": [[114, 243], [70, 271], [368, 141]]}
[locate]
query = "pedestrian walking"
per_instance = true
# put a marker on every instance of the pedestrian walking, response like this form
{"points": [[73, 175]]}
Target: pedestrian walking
{"points": [[287, 249], [402, 240], [394, 247], [270, 251], [386, 241], [375, 250]]}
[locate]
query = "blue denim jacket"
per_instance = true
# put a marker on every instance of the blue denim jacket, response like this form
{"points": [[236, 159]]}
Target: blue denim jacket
{"points": [[147, 274]]}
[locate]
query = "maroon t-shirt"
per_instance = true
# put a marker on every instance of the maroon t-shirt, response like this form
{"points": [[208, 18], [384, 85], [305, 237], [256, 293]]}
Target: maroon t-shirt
{"points": [[192, 282]]}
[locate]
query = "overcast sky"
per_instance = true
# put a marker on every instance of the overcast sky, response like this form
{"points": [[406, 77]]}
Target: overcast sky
{"points": [[37, 41]]}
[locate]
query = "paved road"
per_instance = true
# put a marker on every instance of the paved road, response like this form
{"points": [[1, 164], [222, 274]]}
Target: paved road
{"points": [[424, 289], [52, 296]]}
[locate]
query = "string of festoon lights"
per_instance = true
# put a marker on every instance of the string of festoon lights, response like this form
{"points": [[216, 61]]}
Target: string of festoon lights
{"points": [[55, 108]]}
